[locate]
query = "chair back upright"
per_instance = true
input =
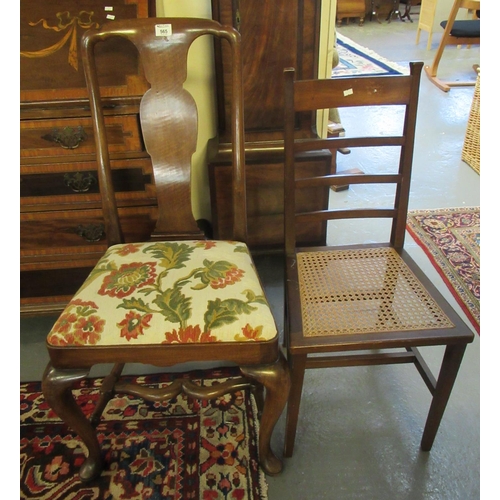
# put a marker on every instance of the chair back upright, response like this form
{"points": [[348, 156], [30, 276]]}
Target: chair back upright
{"points": [[306, 96], [169, 120]]}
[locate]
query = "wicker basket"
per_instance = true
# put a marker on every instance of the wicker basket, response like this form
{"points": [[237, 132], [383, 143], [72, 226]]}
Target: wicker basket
{"points": [[471, 149]]}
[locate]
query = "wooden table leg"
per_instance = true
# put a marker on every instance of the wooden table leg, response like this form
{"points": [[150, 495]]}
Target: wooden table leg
{"points": [[406, 12]]}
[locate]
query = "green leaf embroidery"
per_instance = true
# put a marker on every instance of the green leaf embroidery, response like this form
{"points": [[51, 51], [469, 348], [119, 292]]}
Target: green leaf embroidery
{"points": [[252, 298], [136, 304], [212, 272], [241, 249], [85, 310], [174, 305], [171, 254], [224, 312]]}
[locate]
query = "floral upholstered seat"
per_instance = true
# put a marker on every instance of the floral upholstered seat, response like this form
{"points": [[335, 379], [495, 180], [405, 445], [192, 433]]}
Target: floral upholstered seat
{"points": [[166, 293]]}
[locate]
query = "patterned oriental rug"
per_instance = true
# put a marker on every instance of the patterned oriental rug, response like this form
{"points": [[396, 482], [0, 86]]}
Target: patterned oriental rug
{"points": [[451, 239], [180, 449], [355, 60]]}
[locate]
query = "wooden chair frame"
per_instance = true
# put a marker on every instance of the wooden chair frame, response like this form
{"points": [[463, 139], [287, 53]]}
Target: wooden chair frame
{"points": [[262, 364], [449, 39], [387, 344]]}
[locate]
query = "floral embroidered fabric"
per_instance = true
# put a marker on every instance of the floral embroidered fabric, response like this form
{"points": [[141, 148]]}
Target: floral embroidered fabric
{"points": [[165, 293]]}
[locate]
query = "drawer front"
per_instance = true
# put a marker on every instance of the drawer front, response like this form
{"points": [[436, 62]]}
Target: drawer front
{"points": [[75, 185], [50, 59], [265, 202], [51, 236], [75, 136], [49, 290]]}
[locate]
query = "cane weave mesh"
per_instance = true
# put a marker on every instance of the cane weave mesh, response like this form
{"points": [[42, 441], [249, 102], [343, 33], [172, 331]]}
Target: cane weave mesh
{"points": [[359, 291]]}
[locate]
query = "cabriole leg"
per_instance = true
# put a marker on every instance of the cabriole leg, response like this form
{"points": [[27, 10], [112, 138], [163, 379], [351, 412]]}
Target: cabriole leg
{"points": [[276, 380], [57, 389]]}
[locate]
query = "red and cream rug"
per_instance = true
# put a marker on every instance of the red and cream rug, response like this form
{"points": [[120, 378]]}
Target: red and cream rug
{"points": [[179, 449], [451, 239]]}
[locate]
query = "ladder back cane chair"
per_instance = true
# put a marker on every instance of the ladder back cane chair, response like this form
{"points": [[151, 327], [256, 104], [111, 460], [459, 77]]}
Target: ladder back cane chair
{"points": [[177, 297], [361, 304]]}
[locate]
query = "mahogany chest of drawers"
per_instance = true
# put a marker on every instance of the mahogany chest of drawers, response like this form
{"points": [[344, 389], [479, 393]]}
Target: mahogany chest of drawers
{"points": [[61, 225], [275, 35]]}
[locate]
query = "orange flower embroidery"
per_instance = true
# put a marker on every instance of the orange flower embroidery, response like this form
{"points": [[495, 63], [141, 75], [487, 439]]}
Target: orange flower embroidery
{"points": [[88, 330], [133, 325], [65, 322], [122, 282], [128, 249], [83, 303], [55, 340], [232, 275], [250, 333], [188, 335], [207, 245]]}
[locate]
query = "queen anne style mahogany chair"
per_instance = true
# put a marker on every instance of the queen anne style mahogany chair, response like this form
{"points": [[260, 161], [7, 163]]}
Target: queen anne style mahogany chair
{"points": [[456, 32], [364, 304], [178, 297]]}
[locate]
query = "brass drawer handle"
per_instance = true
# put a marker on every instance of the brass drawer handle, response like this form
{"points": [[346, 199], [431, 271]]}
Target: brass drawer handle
{"points": [[79, 182], [67, 137], [91, 232]]}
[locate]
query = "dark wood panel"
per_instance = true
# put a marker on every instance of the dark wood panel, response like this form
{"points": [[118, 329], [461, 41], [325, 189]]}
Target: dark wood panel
{"points": [[75, 185], [75, 136], [51, 282], [265, 200], [50, 62], [275, 35], [57, 145], [58, 233]]}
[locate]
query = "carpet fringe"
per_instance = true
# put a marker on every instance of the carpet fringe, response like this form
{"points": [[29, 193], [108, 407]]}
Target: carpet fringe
{"points": [[370, 53]]}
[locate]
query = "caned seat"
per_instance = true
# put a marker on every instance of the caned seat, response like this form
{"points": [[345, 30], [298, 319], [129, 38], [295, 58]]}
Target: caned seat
{"points": [[363, 303], [180, 296]]}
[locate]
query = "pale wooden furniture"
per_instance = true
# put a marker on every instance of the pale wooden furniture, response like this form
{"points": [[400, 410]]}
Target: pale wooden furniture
{"points": [[175, 297], [426, 20], [61, 224], [274, 35], [363, 304], [456, 32]]}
